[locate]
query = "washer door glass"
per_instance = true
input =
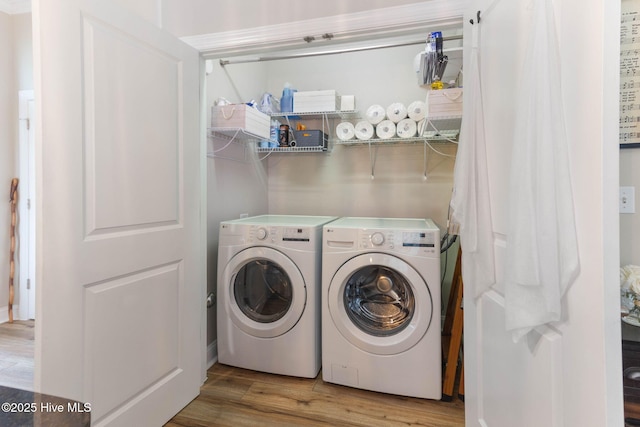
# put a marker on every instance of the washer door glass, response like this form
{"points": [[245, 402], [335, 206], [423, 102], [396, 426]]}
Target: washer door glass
{"points": [[263, 291], [380, 303], [379, 300]]}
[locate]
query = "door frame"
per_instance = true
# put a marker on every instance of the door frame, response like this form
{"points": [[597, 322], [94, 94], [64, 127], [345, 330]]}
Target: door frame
{"points": [[426, 14], [26, 205]]}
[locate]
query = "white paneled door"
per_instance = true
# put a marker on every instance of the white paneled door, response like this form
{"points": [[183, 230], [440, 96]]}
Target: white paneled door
{"points": [[568, 372], [120, 244]]}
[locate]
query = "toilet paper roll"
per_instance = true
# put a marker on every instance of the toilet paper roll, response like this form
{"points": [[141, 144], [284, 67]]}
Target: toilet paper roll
{"points": [[422, 127], [396, 112], [406, 128], [417, 110], [345, 131], [386, 129], [375, 114], [364, 130]]}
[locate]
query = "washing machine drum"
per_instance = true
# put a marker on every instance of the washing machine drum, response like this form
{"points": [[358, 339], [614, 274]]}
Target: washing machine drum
{"points": [[263, 290], [380, 303], [379, 300], [265, 293]]}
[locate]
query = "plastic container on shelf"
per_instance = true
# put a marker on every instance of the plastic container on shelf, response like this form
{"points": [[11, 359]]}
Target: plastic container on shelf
{"points": [[286, 102]]}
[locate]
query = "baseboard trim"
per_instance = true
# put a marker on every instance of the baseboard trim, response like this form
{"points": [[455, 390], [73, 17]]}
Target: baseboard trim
{"points": [[4, 313], [212, 353]]}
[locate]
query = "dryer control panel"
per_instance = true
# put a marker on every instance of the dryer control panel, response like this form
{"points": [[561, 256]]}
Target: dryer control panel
{"points": [[415, 242], [279, 235]]}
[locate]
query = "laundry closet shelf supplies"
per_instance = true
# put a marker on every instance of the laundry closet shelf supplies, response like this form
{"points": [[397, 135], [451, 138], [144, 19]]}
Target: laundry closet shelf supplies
{"points": [[327, 118], [443, 129]]}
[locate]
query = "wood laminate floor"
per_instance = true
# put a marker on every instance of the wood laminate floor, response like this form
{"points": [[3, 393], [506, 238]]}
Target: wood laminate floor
{"points": [[16, 354], [238, 397]]}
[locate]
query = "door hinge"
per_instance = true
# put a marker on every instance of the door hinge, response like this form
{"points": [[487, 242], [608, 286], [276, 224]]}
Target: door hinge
{"points": [[28, 124], [28, 283], [28, 203]]}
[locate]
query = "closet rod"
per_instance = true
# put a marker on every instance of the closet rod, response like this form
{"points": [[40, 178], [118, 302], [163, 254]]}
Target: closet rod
{"points": [[224, 62]]}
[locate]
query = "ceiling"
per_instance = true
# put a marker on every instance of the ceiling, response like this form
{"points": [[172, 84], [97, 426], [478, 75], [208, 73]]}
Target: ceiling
{"points": [[14, 7]]}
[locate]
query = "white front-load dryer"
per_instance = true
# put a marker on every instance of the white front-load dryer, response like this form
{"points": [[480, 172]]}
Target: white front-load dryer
{"points": [[268, 309], [381, 305]]}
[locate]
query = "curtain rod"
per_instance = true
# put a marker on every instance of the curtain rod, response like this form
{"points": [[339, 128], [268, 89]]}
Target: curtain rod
{"points": [[224, 62]]}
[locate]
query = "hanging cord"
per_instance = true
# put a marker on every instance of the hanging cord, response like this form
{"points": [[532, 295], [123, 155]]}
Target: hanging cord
{"points": [[421, 132], [446, 242], [440, 152], [228, 143]]}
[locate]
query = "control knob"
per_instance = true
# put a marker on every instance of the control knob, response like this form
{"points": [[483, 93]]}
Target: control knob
{"points": [[261, 234], [377, 239]]}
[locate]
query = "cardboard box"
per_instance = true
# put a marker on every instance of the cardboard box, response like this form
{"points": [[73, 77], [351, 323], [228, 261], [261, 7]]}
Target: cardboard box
{"points": [[316, 101], [311, 138], [241, 116], [347, 103], [445, 102]]}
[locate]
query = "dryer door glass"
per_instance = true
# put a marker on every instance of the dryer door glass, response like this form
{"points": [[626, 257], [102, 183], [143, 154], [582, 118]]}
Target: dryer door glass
{"points": [[379, 300], [263, 291]]}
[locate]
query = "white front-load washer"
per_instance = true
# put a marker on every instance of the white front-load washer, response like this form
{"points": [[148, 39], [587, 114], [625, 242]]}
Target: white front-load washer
{"points": [[269, 284], [381, 305]]}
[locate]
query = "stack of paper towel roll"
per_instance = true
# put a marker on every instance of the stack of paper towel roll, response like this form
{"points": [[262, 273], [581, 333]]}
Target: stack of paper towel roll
{"points": [[395, 120]]}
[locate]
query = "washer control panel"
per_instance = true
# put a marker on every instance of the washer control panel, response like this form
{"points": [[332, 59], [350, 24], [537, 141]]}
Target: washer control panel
{"points": [[400, 241], [266, 234]]}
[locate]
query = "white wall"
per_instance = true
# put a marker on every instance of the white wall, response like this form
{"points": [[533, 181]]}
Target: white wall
{"points": [[8, 117], [630, 223], [23, 53], [16, 73]]}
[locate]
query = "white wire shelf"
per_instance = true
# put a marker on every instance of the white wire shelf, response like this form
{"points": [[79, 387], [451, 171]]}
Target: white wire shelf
{"points": [[236, 134], [348, 114], [317, 149], [442, 138], [440, 129]]}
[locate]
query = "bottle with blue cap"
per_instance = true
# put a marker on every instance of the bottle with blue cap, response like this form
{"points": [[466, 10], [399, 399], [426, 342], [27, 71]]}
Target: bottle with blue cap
{"points": [[286, 102]]}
